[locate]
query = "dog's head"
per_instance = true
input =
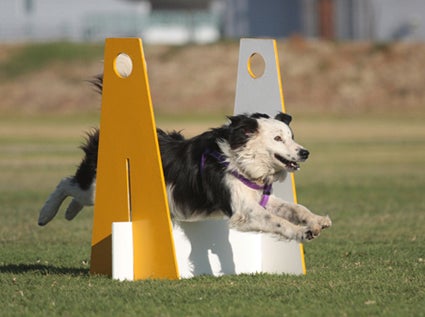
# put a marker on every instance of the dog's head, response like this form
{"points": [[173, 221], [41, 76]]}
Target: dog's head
{"points": [[262, 147]]}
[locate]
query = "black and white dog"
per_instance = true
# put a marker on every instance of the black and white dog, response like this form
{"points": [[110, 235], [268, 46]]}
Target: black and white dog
{"points": [[226, 172]]}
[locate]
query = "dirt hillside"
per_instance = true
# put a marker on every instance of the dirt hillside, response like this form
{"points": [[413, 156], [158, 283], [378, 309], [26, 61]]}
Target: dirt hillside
{"points": [[317, 77]]}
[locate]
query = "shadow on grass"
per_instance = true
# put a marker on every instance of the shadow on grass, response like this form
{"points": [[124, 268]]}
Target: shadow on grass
{"points": [[43, 269]]}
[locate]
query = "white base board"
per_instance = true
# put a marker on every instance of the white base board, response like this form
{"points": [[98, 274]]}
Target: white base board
{"points": [[122, 251], [210, 248]]}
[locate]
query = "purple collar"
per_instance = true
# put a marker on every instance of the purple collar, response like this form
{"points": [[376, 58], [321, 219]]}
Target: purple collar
{"points": [[267, 188]]}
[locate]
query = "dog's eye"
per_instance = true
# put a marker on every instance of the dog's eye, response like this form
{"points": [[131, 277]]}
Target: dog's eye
{"points": [[278, 138]]}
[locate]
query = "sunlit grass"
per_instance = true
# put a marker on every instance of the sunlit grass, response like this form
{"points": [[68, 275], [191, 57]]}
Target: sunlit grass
{"points": [[366, 173]]}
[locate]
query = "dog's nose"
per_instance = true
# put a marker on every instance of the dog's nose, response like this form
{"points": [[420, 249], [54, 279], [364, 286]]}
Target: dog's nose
{"points": [[303, 153]]}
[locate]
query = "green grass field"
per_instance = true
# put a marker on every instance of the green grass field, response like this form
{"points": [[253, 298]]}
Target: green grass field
{"points": [[367, 173]]}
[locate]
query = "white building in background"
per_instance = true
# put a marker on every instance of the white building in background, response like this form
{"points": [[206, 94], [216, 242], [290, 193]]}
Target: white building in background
{"points": [[41, 20], [94, 20], [203, 21]]}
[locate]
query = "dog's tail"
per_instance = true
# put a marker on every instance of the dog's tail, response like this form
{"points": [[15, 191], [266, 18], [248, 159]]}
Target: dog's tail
{"points": [[81, 186], [97, 82]]}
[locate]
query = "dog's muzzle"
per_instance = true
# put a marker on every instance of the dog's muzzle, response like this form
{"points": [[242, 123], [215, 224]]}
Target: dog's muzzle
{"points": [[293, 165]]}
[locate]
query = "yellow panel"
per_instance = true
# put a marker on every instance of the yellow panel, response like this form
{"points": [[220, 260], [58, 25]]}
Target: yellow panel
{"points": [[130, 184], [294, 191]]}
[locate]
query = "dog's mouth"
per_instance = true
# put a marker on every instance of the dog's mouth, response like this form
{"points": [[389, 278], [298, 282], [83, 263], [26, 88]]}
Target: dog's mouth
{"points": [[289, 165]]}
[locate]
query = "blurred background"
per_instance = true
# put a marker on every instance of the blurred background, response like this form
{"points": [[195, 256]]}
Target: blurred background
{"points": [[353, 78], [202, 21], [343, 56]]}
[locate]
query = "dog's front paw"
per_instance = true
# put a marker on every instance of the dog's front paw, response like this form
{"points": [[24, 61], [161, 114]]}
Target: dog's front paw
{"points": [[319, 224], [324, 222]]}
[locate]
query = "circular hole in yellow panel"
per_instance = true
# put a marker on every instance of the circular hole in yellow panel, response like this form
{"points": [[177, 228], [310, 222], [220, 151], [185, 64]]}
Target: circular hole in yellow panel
{"points": [[256, 65], [123, 65]]}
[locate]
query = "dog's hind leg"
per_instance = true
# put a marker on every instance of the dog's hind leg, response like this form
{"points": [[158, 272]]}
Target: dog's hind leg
{"points": [[52, 204], [68, 186], [73, 209]]}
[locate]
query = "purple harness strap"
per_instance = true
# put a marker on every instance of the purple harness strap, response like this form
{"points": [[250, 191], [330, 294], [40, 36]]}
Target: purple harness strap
{"points": [[267, 188]]}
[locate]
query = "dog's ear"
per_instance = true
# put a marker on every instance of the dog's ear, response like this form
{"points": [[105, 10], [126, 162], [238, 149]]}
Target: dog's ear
{"points": [[242, 122], [285, 118], [241, 129]]}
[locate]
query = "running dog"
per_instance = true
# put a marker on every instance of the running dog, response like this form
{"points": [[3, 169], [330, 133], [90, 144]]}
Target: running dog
{"points": [[224, 172]]}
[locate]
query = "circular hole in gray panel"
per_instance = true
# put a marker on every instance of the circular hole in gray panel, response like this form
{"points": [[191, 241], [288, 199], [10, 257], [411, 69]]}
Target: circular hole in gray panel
{"points": [[256, 65]]}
